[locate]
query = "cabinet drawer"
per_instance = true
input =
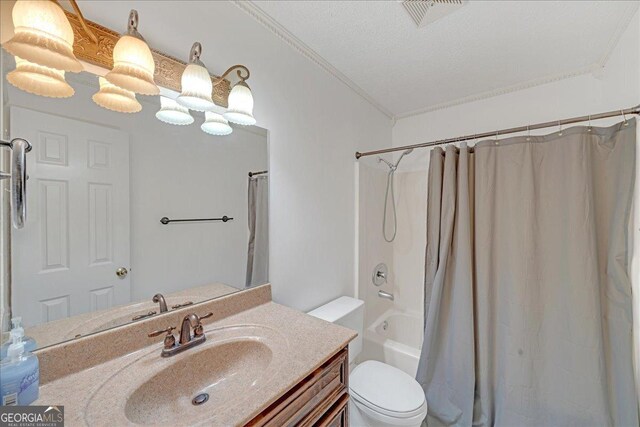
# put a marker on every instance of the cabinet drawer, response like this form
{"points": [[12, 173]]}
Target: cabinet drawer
{"points": [[308, 401]]}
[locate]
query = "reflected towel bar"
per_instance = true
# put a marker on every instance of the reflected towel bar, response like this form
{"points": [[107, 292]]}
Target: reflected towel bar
{"points": [[164, 220]]}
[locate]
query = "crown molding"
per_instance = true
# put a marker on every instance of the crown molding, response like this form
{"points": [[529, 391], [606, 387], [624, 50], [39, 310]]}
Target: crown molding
{"points": [[625, 21], [501, 91], [285, 35]]}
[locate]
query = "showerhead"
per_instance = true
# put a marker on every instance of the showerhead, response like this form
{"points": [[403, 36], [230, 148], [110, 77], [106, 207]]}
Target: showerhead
{"points": [[391, 165], [404, 153]]}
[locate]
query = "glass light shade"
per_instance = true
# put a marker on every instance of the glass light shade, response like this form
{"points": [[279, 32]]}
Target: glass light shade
{"points": [[240, 109], [115, 98], [215, 124], [133, 66], [39, 80], [196, 88], [173, 113], [42, 35]]}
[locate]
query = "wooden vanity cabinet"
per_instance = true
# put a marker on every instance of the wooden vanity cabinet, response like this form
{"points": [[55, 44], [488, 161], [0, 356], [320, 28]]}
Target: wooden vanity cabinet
{"points": [[321, 399]]}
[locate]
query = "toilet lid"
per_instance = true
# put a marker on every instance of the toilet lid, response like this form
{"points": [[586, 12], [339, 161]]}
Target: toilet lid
{"points": [[387, 389]]}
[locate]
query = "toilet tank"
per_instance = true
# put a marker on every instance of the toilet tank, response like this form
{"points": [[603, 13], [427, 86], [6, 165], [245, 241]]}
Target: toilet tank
{"points": [[347, 312]]}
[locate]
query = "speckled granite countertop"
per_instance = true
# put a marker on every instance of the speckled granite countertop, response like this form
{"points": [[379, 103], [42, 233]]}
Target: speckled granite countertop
{"points": [[299, 344]]}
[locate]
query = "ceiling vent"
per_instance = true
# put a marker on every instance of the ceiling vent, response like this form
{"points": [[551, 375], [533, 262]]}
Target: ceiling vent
{"points": [[424, 12]]}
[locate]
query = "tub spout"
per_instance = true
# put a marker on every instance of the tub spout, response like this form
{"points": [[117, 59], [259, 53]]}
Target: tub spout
{"points": [[387, 295]]}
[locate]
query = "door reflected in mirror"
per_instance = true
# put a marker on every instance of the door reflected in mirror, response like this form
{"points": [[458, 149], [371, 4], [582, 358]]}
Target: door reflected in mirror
{"points": [[94, 252]]}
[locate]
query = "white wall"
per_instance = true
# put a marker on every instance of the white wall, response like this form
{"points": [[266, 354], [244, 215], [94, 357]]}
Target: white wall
{"points": [[178, 172]]}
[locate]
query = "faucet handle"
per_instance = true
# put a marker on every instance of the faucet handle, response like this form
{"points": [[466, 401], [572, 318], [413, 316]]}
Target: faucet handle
{"points": [[184, 304], [199, 330], [161, 331], [169, 339]]}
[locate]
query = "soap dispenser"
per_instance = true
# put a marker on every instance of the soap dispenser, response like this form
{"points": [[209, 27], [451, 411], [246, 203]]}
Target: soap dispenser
{"points": [[29, 343], [19, 374]]}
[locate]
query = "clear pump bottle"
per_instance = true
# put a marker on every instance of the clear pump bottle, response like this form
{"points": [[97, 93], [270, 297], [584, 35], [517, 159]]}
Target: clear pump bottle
{"points": [[29, 343], [19, 374]]}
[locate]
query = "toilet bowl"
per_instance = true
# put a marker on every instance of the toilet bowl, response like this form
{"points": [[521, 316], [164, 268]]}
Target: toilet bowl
{"points": [[381, 395]]}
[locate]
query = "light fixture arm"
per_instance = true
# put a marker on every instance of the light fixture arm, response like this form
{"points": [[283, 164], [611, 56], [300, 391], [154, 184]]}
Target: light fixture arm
{"points": [[83, 22], [132, 25], [240, 69], [194, 54]]}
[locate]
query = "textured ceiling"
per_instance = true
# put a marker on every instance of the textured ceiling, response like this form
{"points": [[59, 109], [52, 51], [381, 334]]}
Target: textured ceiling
{"points": [[484, 48]]}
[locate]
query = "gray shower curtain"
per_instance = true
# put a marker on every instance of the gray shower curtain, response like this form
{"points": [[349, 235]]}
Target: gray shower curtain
{"points": [[528, 295], [258, 247]]}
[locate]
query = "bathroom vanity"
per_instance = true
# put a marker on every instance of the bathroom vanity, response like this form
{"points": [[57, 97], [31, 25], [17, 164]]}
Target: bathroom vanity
{"points": [[262, 364]]}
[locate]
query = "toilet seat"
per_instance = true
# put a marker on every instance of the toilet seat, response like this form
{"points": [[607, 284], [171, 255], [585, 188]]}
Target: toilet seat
{"points": [[387, 393]]}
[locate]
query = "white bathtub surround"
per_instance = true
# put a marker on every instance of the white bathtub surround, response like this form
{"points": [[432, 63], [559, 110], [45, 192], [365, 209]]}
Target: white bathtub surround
{"points": [[404, 257], [395, 338], [372, 247], [408, 248]]}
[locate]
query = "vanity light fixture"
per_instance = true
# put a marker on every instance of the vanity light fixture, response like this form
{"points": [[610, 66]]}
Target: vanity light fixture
{"points": [[173, 113], [215, 124], [133, 64], [44, 47], [240, 109], [115, 98], [43, 35], [196, 83], [39, 80]]}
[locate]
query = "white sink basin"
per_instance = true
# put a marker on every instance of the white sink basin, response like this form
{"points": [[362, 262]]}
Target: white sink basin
{"points": [[233, 364]]}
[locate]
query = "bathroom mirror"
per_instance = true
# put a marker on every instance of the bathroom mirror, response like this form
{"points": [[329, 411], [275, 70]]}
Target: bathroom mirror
{"points": [[107, 196]]}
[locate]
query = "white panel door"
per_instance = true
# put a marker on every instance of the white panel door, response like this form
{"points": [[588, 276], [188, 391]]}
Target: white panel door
{"points": [[77, 230]]}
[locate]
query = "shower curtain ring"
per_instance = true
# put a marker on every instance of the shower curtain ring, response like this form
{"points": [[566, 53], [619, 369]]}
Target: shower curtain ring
{"points": [[528, 133], [560, 126], [624, 117], [589, 128], [496, 140]]}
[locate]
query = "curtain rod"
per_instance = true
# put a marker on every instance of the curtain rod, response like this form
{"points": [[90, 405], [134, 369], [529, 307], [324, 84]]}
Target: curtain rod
{"points": [[623, 113]]}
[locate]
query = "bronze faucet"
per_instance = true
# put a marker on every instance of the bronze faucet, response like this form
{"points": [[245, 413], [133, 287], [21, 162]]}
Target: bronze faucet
{"points": [[190, 321], [163, 304]]}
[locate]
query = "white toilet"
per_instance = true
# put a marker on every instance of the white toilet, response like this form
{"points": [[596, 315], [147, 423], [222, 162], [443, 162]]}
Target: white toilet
{"points": [[381, 395]]}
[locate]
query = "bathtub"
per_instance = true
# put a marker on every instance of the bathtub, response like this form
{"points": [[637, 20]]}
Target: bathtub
{"points": [[395, 338]]}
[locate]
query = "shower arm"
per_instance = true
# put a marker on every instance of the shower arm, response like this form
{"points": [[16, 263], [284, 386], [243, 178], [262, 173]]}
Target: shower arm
{"points": [[622, 113]]}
